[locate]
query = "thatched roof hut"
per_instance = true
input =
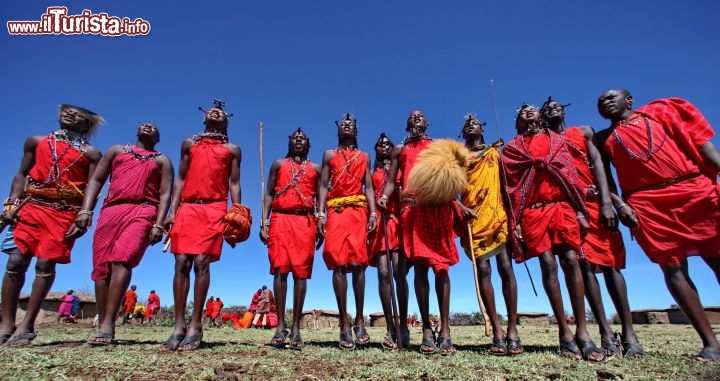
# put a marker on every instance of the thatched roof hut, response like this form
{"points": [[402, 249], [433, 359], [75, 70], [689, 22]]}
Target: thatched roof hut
{"points": [[49, 306]]}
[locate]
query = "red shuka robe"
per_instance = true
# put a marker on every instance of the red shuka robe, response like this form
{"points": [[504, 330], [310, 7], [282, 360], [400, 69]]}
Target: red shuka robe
{"points": [[377, 237], [291, 238]]}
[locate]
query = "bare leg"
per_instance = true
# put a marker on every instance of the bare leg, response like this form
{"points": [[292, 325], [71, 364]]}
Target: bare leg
{"points": [[385, 292], [487, 291], [592, 292], [280, 290], [181, 287], [618, 292], [358, 281], [13, 282], [299, 291], [576, 290], [422, 293], [509, 289], [714, 264], [687, 298], [202, 284], [548, 266], [44, 278], [101, 295], [340, 288], [120, 274], [442, 289], [401, 286]]}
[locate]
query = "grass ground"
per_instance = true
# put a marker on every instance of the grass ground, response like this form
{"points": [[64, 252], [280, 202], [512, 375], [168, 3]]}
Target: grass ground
{"points": [[59, 352]]}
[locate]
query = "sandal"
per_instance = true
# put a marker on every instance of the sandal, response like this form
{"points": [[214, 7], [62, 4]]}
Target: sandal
{"points": [[190, 343], [446, 347], [4, 337], [588, 349], [707, 355], [633, 350], [21, 339], [361, 336], [278, 340], [428, 347], [101, 339], [498, 347], [610, 347], [172, 344], [569, 349], [346, 341], [388, 342], [296, 342], [514, 346]]}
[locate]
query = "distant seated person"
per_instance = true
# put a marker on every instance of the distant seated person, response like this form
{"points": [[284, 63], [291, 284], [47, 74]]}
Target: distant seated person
{"points": [[230, 317], [68, 309], [139, 314]]}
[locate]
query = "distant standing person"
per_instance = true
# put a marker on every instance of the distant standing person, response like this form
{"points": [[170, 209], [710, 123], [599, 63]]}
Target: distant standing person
{"points": [[129, 302], [153, 307]]}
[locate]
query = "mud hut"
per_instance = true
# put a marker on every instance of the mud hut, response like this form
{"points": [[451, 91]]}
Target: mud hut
{"points": [[49, 307]]}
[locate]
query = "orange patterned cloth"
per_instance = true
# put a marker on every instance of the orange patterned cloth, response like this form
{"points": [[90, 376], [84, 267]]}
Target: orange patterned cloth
{"points": [[236, 224]]}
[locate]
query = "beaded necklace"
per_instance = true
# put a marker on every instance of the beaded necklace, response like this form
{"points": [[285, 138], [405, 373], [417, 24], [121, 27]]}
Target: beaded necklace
{"points": [[211, 135], [344, 168], [298, 171], [384, 166], [651, 139], [72, 139], [140, 156]]}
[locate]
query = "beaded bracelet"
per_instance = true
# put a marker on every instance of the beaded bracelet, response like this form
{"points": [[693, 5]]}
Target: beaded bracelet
{"points": [[373, 214], [158, 226], [87, 212], [617, 208], [267, 222], [580, 216], [11, 201]]}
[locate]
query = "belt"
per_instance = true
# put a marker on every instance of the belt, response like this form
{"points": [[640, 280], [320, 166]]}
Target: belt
{"points": [[133, 202], [662, 184], [543, 204], [297, 212], [201, 202], [54, 203]]}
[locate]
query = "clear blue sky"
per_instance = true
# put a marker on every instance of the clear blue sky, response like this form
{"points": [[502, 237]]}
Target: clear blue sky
{"points": [[292, 63]]}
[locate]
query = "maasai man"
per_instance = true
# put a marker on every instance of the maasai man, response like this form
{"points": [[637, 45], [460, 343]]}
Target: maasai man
{"points": [[290, 230], [153, 307], [603, 245], [550, 217], [484, 204], [667, 170], [217, 309], [209, 169], [128, 303], [139, 314], [56, 169], [66, 307], [428, 238], [209, 308], [346, 184], [131, 218], [254, 301], [264, 306], [378, 250]]}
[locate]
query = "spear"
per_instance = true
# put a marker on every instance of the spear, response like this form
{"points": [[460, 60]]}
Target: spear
{"points": [[261, 128]]}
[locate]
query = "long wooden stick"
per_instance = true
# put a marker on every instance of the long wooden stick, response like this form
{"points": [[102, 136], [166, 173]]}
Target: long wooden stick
{"points": [[261, 128], [394, 307], [486, 317], [15, 212]]}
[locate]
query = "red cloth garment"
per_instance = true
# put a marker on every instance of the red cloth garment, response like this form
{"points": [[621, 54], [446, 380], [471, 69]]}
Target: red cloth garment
{"points": [[216, 309], [41, 229], [153, 305], [254, 301], [428, 232], [677, 218], [129, 302], [123, 229], [236, 224], [540, 173], [345, 230], [66, 305], [209, 308], [376, 238], [198, 228], [600, 247], [291, 238]]}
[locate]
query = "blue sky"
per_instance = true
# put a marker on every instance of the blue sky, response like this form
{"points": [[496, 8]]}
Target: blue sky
{"points": [[291, 64]]}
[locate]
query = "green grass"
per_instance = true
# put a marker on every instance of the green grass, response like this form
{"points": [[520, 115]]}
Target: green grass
{"points": [[59, 353]]}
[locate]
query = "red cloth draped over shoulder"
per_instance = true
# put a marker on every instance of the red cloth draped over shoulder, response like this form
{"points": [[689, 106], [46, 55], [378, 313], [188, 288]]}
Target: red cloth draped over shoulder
{"points": [[153, 305], [130, 302], [376, 238], [291, 238], [345, 230], [41, 229], [677, 218], [124, 225], [199, 227]]}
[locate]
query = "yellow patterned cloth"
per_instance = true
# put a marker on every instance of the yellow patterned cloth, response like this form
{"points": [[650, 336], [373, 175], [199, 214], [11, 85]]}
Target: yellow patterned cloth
{"points": [[483, 195], [343, 202]]}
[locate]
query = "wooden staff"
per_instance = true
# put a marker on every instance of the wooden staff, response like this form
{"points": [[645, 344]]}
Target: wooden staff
{"points": [[14, 212], [486, 317], [396, 317], [261, 127]]}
